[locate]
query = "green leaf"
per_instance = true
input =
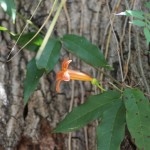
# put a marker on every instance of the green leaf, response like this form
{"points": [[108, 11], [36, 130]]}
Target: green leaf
{"points": [[111, 130], [87, 112], [147, 35], [32, 79], [138, 117], [147, 4], [135, 13], [6, 30], [33, 45], [85, 50], [3, 28], [138, 23], [9, 7], [50, 55]]}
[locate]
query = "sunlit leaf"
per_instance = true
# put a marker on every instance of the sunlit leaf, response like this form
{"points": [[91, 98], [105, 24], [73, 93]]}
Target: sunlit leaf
{"points": [[111, 129], [138, 117], [138, 23], [135, 13], [121, 14], [89, 111], [9, 7], [33, 45], [6, 30], [3, 28]]}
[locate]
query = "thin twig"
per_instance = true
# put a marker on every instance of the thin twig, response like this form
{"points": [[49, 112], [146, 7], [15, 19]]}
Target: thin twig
{"points": [[115, 86], [29, 22], [81, 17], [140, 64], [85, 128], [52, 9], [110, 31], [81, 84], [129, 49], [72, 94], [129, 53], [50, 29], [24, 28], [68, 18], [119, 58], [114, 80], [124, 29], [70, 109]]}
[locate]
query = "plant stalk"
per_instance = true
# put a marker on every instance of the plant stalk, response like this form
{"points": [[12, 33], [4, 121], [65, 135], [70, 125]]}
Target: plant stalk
{"points": [[51, 27]]}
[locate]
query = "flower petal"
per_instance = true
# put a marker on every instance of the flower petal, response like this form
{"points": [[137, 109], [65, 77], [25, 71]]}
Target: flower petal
{"points": [[76, 75], [65, 64], [66, 76], [59, 75]]}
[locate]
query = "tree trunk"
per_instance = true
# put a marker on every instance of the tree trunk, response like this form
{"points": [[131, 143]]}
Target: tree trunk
{"points": [[30, 128]]}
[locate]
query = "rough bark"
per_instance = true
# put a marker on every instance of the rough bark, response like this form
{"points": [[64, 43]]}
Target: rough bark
{"points": [[31, 127]]}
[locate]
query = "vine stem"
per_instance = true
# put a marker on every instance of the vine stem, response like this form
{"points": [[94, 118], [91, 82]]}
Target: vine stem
{"points": [[52, 9], [115, 87], [109, 76], [24, 28], [51, 27]]}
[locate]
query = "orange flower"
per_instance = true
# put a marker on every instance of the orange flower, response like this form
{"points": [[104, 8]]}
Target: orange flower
{"points": [[66, 75]]}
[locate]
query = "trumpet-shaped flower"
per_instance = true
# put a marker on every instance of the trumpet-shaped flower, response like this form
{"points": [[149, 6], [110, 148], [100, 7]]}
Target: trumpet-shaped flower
{"points": [[66, 75]]}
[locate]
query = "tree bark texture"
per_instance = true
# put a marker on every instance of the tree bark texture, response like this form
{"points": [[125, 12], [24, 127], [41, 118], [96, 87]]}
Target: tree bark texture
{"points": [[123, 45]]}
